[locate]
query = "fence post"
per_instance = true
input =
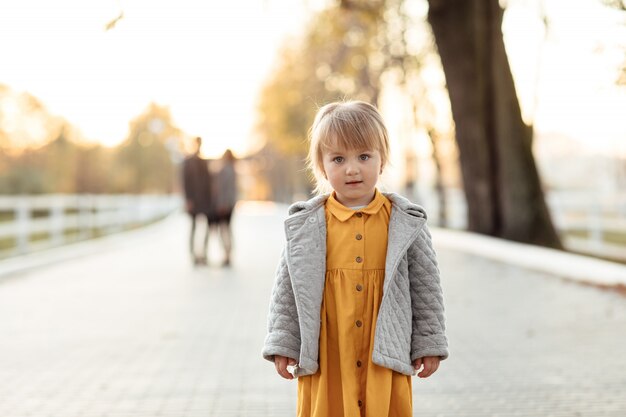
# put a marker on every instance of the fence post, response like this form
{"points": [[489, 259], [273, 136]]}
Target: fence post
{"points": [[595, 225], [57, 212], [22, 218], [85, 216]]}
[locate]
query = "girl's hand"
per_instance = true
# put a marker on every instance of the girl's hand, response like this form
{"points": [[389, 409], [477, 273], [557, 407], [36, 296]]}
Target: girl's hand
{"points": [[281, 362], [431, 363]]}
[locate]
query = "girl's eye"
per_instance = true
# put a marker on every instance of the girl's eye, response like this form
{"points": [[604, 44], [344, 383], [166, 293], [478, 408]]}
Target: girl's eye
{"points": [[338, 159], [364, 157]]}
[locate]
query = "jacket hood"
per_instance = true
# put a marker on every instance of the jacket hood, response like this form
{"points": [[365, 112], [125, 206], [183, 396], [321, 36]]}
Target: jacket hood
{"points": [[397, 200]]}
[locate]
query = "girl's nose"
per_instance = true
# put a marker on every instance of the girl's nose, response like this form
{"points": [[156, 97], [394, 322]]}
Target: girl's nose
{"points": [[352, 169]]}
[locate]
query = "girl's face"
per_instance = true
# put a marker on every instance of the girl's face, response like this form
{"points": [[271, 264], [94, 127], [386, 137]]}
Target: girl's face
{"points": [[353, 174]]}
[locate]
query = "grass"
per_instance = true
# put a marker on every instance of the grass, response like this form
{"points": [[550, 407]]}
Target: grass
{"points": [[7, 243], [7, 216], [615, 238]]}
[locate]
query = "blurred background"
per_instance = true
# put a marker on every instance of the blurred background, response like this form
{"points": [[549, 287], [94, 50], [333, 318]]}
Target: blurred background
{"points": [[99, 104], [507, 122]]}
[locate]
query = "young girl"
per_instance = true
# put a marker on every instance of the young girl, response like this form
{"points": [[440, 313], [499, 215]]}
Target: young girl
{"points": [[357, 306]]}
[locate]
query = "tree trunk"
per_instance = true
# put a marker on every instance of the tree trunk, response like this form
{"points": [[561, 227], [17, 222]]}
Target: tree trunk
{"points": [[501, 182]]}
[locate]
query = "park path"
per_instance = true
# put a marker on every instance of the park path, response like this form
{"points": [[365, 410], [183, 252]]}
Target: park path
{"points": [[134, 330]]}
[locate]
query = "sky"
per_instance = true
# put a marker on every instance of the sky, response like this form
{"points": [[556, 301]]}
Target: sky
{"points": [[208, 60], [572, 69], [205, 60]]}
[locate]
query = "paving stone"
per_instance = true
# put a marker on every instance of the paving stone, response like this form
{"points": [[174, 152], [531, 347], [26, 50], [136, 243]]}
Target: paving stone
{"points": [[137, 331]]}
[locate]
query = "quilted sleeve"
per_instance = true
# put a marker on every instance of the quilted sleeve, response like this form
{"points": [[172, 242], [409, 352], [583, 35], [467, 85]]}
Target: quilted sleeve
{"points": [[428, 334], [283, 330]]}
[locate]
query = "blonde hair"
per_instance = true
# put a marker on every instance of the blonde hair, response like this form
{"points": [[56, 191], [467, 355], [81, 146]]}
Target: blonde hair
{"points": [[346, 125]]}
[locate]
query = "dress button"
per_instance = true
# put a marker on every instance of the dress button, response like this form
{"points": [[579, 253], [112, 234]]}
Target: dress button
{"points": [[359, 214], [359, 287], [358, 363], [360, 403], [311, 219], [359, 237], [359, 259], [359, 323]]}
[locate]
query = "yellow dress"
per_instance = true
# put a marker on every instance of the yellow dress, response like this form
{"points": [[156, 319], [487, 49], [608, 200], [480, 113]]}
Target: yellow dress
{"points": [[348, 383]]}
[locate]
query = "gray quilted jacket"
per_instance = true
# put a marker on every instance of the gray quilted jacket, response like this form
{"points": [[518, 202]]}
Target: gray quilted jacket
{"points": [[410, 322]]}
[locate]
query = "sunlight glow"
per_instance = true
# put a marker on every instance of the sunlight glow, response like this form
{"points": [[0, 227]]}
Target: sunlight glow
{"points": [[572, 71], [204, 60]]}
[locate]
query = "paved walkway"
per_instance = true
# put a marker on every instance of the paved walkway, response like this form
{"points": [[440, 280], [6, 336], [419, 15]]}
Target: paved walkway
{"points": [[136, 331]]}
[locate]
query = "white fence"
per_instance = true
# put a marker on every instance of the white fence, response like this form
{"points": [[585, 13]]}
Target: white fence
{"points": [[593, 212], [36, 222], [585, 218], [599, 216]]}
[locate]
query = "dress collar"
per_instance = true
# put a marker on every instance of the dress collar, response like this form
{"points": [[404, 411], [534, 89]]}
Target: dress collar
{"points": [[343, 213]]}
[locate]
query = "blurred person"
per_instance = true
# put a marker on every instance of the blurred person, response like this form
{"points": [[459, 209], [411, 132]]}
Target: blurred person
{"points": [[225, 196], [353, 350], [197, 186]]}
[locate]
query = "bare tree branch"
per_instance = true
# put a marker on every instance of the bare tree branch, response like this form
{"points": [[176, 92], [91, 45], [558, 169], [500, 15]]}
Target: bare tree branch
{"points": [[113, 22], [616, 4]]}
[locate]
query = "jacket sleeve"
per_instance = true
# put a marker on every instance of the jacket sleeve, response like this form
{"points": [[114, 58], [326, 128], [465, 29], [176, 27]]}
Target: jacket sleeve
{"points": [[283, 330], [428, 334]]}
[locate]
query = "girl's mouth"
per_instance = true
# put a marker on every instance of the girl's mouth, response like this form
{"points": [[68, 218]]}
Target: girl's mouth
{"points": [[354, 182]]}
